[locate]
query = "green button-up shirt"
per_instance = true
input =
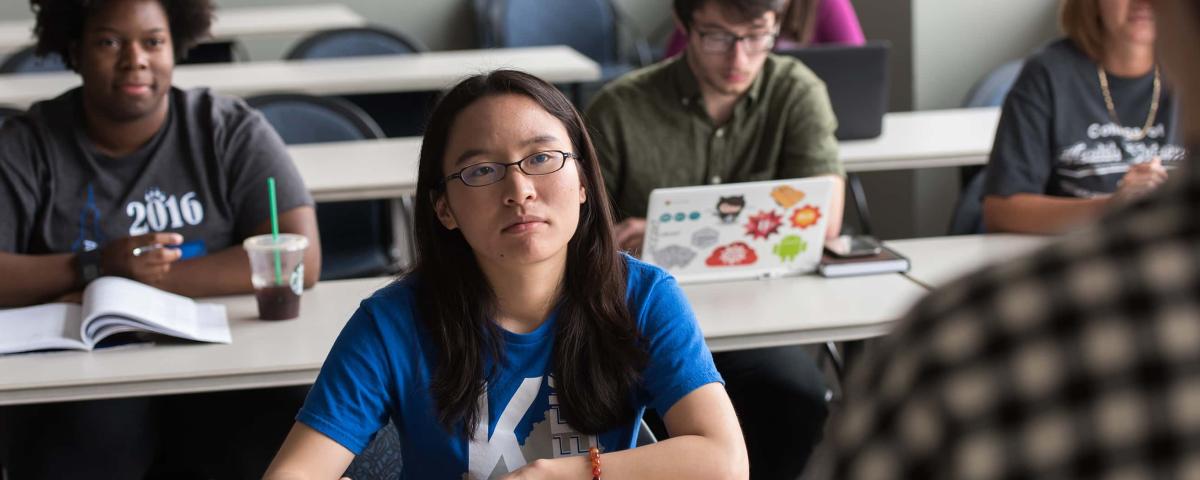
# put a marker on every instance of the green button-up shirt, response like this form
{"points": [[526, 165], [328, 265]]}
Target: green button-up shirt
{"points": [[651, 130]]}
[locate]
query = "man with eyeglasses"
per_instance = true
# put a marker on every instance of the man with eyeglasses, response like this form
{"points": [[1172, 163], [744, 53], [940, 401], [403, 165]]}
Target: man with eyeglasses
{"points": [[727, 110]]}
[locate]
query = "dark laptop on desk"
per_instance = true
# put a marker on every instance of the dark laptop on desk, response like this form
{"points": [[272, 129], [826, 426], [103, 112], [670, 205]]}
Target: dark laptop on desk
{"points": [[857, 80]]}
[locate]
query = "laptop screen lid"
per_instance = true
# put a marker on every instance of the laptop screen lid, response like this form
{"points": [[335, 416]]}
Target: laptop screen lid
{"points": [[738, 230], [856, 78]]}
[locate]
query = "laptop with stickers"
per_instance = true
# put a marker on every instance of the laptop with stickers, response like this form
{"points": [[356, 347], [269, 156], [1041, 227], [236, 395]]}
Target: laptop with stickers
{"points": [[738, 230]]}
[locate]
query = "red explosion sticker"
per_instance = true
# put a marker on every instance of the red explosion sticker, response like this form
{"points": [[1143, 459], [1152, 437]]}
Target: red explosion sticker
{"points": [[763, 225], [734, 254], [805, 217]]}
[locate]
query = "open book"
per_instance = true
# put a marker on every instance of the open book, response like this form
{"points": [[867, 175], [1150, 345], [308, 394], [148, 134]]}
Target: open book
{"points": [[111, 305]]}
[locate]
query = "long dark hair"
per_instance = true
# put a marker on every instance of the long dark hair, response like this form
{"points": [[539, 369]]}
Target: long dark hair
{"points": [[799, 20], [598, 354]]}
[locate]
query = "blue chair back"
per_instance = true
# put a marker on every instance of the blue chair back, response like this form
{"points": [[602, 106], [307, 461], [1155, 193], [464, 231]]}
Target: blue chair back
{"points": [[301, 119], [381, 459], [356, 237], [989, 91], [354, 42], [398, 114], [25, 61], [589, 26]]}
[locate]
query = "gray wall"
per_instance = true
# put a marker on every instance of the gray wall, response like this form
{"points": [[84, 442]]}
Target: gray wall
{"points": [[956, 42]]}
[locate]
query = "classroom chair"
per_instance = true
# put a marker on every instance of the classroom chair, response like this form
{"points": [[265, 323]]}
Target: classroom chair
{"points": [[989, 91], [25, 61], [595, 28], [398, 114], [381, 459], [356, 236]]}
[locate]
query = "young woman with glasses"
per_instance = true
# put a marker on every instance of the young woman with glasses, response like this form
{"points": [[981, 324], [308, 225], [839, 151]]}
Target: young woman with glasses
{"points": [[522, 344]]}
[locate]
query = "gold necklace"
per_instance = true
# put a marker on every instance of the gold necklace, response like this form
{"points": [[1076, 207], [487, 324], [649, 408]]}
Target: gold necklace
{"points": [[1112, 110]]}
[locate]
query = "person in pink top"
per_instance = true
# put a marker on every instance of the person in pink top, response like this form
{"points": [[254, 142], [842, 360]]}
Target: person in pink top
{"points": [[806, 22]]}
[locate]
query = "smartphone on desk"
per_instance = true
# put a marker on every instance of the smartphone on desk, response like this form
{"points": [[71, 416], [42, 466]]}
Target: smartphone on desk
{"points": [[849, 246]]}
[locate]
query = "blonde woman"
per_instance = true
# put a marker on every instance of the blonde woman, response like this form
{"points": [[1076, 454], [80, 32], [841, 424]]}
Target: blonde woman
{"points": [[1088, 124]]}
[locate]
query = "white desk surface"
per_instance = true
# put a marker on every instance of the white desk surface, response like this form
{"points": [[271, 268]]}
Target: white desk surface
{"points": [[366, 170], [233, 22], [387, 168], [430, 71], [263, 354], [937, 261], [925, 139], [799, 310], [733, 315]]}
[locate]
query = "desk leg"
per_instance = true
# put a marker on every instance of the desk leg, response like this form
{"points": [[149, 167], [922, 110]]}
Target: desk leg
{"points": [[859, 195]]}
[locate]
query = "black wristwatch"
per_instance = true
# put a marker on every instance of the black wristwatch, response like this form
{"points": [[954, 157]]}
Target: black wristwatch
{"points": [[87, 265]]}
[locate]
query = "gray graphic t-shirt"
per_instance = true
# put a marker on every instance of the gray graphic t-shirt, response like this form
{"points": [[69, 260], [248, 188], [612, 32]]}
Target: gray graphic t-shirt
{"points": [[1056, 136], [203, 175]]}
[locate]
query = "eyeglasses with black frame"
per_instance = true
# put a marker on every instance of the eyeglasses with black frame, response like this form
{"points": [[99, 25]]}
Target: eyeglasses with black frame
{"points": [[722, 42], [487, 173]]}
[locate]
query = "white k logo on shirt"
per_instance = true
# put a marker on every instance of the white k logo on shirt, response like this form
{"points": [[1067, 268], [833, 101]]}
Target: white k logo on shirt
{"points": [[486, 453]]}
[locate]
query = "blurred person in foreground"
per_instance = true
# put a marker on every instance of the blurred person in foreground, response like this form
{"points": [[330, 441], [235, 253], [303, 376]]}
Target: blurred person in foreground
{"points": [[1079, 361]]}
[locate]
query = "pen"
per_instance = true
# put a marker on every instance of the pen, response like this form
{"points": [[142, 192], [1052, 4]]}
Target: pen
{"points": [[142, 250]]}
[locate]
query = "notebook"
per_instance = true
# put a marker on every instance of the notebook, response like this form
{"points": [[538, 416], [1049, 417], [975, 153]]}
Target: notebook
{"points": [[738, 230], [111, 305], [856, 78]]}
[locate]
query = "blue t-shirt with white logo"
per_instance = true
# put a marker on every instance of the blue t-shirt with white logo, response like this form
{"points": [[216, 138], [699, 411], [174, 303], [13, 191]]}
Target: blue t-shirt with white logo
{"points": [[381, 367]]}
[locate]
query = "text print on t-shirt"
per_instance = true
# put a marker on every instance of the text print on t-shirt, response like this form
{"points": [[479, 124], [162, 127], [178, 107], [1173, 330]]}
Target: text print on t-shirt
{"points": [[1110, 147], [549, 437], [160, 212]]}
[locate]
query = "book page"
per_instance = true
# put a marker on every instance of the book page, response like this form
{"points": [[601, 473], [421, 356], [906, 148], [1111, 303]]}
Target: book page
{"points": [[40, 327], [122, 301]]}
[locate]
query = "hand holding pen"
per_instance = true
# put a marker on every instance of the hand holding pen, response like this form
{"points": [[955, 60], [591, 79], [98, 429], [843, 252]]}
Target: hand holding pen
{"points": [[145, 258]]}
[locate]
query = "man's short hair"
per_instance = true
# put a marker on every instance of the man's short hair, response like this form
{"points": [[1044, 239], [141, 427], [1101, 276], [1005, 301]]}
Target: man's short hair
{"points": [[59, 24], [744, 9]]}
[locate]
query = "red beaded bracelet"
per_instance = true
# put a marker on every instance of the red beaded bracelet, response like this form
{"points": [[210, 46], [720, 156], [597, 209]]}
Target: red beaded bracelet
{"points": [[594, 453]]}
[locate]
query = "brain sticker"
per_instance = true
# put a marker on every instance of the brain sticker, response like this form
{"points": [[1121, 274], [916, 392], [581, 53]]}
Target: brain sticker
{"points": [[786, 196], [674, 256], [705, 237], [805, 216], [763, 224], [732, 255], [791, 246]]}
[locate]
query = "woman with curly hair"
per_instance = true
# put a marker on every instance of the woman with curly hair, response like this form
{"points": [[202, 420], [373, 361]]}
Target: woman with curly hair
{"points": [[123, 161]]}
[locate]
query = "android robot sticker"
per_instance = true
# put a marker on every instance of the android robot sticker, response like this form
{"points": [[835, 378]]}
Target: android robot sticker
{"points": [[789, 247]]}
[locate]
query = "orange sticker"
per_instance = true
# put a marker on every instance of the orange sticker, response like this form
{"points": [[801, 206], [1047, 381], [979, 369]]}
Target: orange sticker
{"points": [[805, 217], [786, 196]]}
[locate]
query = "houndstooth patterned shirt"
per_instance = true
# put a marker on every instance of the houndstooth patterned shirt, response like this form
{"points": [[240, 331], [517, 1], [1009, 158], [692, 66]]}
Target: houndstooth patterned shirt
{"points": [[1080, 361]]}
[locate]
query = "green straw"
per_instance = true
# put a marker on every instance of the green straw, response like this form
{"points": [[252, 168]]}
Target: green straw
{"points": [[275, 230]]}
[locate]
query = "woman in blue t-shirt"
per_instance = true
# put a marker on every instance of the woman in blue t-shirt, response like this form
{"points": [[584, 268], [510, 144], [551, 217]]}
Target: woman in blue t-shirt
{"points": [[522, 338]]}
